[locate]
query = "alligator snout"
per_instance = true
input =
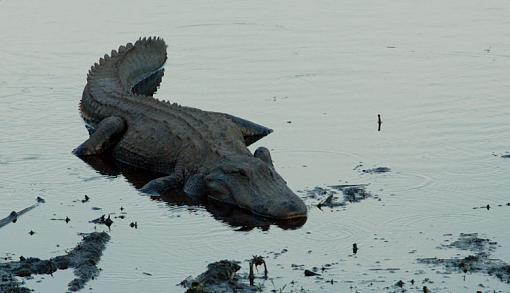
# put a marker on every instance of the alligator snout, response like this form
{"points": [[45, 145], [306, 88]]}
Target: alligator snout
{"points": [[289, 207], [292, 209]]}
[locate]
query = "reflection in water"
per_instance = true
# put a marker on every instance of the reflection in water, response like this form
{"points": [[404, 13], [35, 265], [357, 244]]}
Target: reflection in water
{"points": [[233, 216]]}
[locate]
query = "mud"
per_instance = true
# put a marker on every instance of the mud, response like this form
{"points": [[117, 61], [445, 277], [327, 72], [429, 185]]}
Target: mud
{"points": [[478, 262], [83, 259], [338, 195], [220, 276]]}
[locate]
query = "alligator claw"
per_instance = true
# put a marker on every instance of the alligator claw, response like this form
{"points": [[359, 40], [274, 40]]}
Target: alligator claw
{"points": [[149, 192]]}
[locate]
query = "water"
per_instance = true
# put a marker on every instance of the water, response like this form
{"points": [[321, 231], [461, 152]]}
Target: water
{"points": [[435, 71]]}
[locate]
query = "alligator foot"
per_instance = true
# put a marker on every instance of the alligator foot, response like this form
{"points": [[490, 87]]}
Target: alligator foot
{"points": [[161, 185]]}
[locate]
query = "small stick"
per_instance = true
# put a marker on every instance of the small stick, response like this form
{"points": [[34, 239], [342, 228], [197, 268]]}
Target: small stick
{"points": [[379, 122]]}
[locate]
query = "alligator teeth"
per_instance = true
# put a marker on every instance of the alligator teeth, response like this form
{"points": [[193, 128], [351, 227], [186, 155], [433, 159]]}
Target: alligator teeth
{"points": [[106, 57], [129, 46], [113, 53], [122, 49], [101, 61]]}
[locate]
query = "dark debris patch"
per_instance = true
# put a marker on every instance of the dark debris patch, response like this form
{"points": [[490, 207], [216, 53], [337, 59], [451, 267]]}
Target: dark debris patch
{"points": [[83, 259], [471, 242], [220, 276], [479, 262]]}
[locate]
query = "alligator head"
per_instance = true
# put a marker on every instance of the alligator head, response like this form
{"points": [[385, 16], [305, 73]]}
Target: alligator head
{"points": [[252, 183]]}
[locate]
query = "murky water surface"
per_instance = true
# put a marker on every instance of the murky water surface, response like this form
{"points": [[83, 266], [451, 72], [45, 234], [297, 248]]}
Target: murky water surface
{"points": [[318, 73]]}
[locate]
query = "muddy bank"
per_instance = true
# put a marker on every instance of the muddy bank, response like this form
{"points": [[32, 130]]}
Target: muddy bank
{"points": [[479, 261], [220, 276], [83, 259]]}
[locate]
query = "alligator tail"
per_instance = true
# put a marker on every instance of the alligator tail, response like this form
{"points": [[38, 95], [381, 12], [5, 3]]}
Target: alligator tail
{"points": [[133, 68]]}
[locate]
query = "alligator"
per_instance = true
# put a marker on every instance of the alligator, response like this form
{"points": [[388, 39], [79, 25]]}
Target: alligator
{"points": [[203, 153]]}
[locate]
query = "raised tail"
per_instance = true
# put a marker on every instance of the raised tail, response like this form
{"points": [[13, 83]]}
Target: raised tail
{"points": [[133, 68]]}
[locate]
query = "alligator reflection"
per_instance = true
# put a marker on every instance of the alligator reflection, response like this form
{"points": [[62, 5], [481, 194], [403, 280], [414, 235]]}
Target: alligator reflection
{"points": [[237, 218]]}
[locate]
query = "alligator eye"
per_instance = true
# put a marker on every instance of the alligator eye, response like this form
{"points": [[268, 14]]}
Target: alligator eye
{"points": [[240, 172]]}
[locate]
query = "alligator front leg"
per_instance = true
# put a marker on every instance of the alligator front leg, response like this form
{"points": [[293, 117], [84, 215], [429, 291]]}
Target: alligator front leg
{"points": [[162, 184], [108, 133]]}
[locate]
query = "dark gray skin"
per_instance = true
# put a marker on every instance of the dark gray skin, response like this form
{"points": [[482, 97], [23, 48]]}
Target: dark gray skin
{"points": [[205, 153]]}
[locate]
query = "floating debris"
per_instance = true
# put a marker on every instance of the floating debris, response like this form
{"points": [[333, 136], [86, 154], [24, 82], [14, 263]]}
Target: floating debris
{"points": [[13, 216], [350, 193], [354, 248], [309, 273], [400, 284], [377, 170], [85, 199], [103, 221]]}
